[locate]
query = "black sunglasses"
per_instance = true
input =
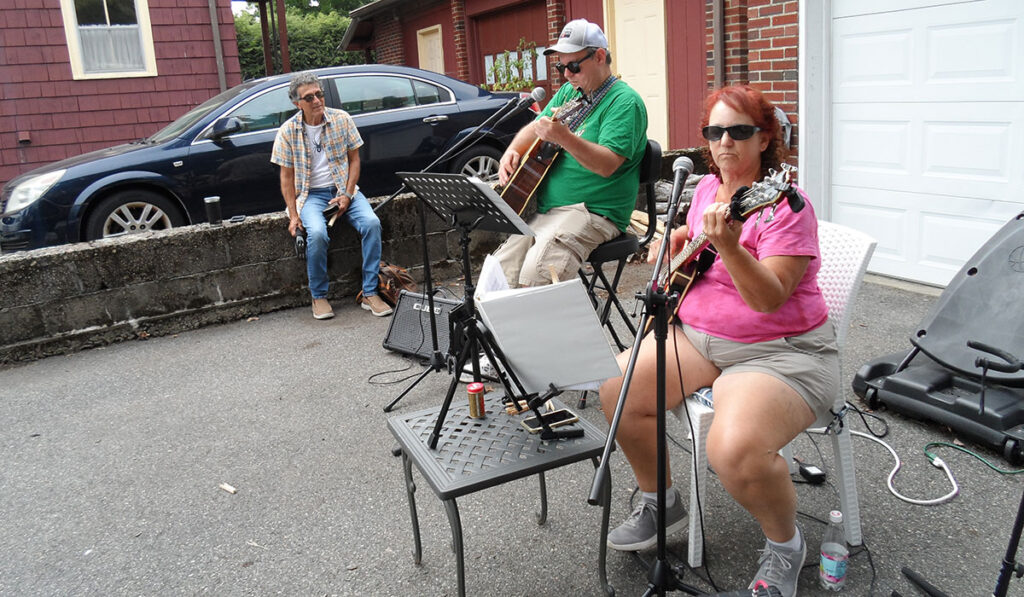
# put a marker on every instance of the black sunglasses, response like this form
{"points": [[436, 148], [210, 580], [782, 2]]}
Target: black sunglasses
{"points": [[738, 132], [308, 98], [574, 66]]}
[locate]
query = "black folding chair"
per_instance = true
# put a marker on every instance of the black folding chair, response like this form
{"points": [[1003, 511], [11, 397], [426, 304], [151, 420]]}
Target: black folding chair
{"points": [[620, 248]]}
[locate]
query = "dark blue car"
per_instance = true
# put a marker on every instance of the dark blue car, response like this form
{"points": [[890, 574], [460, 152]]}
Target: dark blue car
{"points": [[407, 117]]}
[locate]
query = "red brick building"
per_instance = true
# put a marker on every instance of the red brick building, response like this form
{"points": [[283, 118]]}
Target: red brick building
{"points": [[755, 42], [693, 45], [74, 80]]}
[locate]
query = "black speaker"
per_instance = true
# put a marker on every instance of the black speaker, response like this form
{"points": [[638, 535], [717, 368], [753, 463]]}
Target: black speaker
{"points": [[982, 303], [409, 332]]}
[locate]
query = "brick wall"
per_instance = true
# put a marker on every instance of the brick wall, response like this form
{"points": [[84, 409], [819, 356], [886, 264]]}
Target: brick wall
{"points": [[773, 44], [64, 117], [461, 46], [761, 42], [736, 42], [556, 20], [387, 36]]}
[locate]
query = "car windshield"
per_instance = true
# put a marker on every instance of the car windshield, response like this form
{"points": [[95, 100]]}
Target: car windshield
{"points": [[196, 114]]}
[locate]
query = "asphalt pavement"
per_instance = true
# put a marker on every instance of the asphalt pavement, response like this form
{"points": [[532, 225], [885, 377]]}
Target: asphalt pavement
{"points": [[116, 465]]}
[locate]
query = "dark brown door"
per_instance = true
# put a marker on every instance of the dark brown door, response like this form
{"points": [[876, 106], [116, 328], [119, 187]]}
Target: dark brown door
{"points": [[687, 70], [501, 30]]}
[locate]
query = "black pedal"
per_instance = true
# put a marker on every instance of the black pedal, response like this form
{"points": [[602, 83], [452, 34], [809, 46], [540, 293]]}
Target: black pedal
{"points": [[812, 474]]}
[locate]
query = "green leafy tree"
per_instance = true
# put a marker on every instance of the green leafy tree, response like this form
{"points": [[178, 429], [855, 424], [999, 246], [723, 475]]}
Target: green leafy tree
{"points": [[323, 6], [313, 40]]}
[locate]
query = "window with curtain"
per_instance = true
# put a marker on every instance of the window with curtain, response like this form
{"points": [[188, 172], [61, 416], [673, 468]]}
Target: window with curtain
{"points": [[112, 37], [109, 33]]}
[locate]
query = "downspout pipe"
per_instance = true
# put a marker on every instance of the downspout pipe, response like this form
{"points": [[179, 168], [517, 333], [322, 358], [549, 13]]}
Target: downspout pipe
{"points": [[718, 39], [218, 51]]}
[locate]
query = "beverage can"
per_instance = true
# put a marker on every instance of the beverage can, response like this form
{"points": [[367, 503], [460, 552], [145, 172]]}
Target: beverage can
{"points": [[213, 210], [476, 400]]}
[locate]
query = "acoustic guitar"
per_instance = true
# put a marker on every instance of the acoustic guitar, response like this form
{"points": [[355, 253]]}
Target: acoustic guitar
{"points": [[698, 254], [534, 165]]}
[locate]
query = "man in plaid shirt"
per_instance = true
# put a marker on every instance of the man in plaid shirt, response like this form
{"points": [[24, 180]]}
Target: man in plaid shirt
{"points": [[318, 152]]}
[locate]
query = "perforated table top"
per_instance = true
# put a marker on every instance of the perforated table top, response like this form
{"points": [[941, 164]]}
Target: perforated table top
{"points": [[474, 454]]}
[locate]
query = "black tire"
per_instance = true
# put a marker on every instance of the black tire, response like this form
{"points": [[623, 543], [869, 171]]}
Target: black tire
{"points": [[1012, 452], [480, 161], [871, 397], [132, 212]]}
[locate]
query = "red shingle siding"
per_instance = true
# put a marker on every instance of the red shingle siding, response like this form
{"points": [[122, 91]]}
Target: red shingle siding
{"points": [[66, 117]]}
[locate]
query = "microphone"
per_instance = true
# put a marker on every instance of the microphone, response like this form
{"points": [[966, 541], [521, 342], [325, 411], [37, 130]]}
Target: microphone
{"points": [[683, 167], [537, 95], [518, 105]]}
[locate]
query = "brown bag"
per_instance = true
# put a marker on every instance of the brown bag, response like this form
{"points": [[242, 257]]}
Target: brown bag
{"points": [[392, 281]]}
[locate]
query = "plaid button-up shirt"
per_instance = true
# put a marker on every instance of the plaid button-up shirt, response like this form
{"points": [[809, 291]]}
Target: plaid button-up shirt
{"points": [[292, 151]]}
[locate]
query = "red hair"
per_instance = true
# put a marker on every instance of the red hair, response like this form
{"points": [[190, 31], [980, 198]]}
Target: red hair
{"points": [[747, 100]]}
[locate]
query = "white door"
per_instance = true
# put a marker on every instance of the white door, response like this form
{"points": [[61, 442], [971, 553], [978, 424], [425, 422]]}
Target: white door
{"points": [[927, 128], [430, 50], [638, 54]]}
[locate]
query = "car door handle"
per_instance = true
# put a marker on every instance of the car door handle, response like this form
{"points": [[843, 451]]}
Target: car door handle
{"points": [[433, 119]]}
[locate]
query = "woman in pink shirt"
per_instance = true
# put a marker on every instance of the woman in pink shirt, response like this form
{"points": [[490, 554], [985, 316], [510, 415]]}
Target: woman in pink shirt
{"points": [[755, 328]]}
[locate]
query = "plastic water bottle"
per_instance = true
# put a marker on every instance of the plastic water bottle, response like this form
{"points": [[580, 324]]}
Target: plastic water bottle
{"points": [[834, 554]]}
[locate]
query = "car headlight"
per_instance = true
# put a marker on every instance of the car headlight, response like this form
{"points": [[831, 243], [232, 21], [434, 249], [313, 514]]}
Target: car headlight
{"points": [[31, 189]]}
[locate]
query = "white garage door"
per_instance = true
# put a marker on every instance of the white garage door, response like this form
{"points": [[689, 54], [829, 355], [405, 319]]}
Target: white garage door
{"points": [[927, 151]]}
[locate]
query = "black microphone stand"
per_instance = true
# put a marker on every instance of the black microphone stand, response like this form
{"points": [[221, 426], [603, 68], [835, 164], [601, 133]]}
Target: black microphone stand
{"points": [[437, 360], [464, 143], [657, 301]]}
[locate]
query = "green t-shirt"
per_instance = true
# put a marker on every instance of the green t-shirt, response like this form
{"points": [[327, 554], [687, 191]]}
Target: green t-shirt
{"points": [[619, 123]]}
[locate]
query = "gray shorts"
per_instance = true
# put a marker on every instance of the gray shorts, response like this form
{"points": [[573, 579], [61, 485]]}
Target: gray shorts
{"points": [[808, 363]]}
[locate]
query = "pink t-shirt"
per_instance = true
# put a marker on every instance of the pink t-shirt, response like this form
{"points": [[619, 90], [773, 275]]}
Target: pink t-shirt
{"points": [[714, 306]]}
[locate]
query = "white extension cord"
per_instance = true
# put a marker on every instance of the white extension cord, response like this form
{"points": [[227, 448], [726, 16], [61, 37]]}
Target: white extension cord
{"points": [[936, 462]]}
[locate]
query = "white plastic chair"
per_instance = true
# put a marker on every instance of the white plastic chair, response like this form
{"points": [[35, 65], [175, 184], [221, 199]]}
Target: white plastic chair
{"points": [[844, 258]]}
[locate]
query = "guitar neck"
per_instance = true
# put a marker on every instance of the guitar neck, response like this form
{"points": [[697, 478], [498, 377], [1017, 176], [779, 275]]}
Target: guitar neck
{"points": [[533, 167], [693, 247], [774, 188]]}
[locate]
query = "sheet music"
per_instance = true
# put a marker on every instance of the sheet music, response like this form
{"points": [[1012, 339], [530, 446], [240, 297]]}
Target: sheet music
{"points": [[491, 278], [503, 207], [549, 334], [460, 198]]}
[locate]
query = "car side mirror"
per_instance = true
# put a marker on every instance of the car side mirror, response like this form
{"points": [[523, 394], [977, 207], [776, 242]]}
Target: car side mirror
{"points": [[226, 126]]}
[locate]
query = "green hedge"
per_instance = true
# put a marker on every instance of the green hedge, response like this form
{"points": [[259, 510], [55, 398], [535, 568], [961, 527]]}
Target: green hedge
{"points": [[313, 40]]}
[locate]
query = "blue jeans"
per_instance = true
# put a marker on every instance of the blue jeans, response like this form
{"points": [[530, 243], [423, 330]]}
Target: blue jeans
{"points": [[360, 216]]}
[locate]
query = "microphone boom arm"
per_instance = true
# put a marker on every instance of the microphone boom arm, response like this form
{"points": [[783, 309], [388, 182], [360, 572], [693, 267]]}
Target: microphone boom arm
{"points": [[465, 143]]}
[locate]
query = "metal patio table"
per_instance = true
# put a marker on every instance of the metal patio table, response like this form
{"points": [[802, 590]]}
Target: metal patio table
{"points": [[475, 454]]}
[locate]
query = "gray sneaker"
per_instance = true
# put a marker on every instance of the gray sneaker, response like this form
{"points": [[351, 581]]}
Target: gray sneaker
{"points": [[780, 568], [640, 530]]}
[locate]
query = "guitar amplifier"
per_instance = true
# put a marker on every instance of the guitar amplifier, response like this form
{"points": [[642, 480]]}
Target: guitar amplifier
{"points": [[409, 332]]}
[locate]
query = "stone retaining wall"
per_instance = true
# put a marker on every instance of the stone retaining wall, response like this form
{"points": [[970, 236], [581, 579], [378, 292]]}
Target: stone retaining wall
{"points": [[61, 299]]}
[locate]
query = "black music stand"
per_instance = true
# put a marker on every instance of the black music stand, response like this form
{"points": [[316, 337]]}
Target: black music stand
{"points": [[469, 203]]}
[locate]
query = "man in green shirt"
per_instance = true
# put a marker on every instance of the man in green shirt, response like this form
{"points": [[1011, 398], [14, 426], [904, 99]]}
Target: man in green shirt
{"points": [[588, 195]]}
